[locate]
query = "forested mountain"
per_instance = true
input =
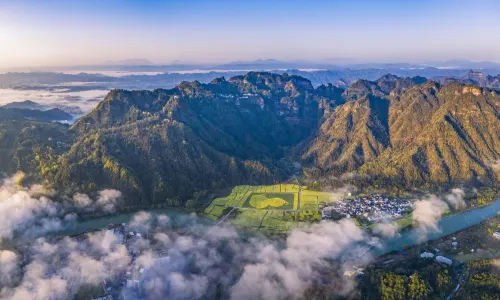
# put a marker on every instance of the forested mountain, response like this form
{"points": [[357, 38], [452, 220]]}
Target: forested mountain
{"points": [[169, 144], [172, 145], [54, 114], [442, 133], [424, 133], [358, 131], [27, 104], [22, 138]]}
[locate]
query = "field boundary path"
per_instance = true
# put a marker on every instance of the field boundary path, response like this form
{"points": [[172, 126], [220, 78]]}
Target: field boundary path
{"points": [[262, 221], [223, 219], [298, 204], [267, 210]]}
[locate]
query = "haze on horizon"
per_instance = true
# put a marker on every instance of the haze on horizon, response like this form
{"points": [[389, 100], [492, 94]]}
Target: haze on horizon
{"points": [[58, 33]]}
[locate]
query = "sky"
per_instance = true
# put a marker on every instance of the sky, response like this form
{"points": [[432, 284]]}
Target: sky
{"points": [[82, 32]]}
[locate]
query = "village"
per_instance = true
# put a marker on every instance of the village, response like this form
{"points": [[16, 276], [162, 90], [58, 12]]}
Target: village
{"points": [[374, 208]]}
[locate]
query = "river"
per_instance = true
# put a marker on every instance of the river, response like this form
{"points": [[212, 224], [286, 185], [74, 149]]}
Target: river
{"points": [[102, 222], [446, 226], [409, 237]]}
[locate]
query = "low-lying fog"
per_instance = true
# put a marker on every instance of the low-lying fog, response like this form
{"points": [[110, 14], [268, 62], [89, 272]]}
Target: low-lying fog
{"points": [[86, 88], [182, 258], [86, 100]]}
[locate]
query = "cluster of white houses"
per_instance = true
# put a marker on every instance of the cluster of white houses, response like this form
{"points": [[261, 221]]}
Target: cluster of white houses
{"points": [[374, 208], [496, 234]]}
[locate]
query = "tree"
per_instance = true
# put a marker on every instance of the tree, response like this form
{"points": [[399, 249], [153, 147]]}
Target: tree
{"points": [[418, 288], [392, 287]]}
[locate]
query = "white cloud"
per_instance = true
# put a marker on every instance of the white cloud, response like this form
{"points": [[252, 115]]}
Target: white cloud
{"points": [[202, 263], [286, 273], [427, 213], [9, 268], [386, 229], [24, 213], [54, 99], [456, 198], [107, 200], [142, 221]]}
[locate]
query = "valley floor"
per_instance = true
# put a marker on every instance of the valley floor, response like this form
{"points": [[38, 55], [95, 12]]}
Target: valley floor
{"points": [[270, 209]]}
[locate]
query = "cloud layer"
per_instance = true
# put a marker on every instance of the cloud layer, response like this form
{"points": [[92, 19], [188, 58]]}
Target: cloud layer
{"points": [[192, 262], [428, 211], [182, 257], [25, 213]]}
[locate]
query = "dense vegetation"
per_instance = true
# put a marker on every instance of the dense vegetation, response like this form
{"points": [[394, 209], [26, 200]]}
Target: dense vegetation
{"points": [[421, 134], [54, 114], [482, 280], [23, 140], [412, 279], [168, 146]]}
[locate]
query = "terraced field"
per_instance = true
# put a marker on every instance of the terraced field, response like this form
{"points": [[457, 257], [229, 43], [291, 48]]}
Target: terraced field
{"points": [[270, 209]]}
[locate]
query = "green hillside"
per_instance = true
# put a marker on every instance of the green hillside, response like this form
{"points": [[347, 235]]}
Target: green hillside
{"points": [[168, 146], [427, 133], [441, 134]]}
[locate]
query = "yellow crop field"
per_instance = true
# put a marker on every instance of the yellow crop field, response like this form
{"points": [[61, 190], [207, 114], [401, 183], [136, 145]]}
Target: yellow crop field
{"points": [[262, 201], [270, 208]]}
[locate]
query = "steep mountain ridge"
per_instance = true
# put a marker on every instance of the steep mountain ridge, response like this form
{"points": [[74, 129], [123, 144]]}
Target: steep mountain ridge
{"points": [[475, 78], [354, 133], [170, 144], [381, 87], [280, 109], [453, 135], [167, 146], [423, 133]]}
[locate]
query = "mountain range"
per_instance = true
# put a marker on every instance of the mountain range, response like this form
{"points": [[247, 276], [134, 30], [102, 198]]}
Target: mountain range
{"points": [[138, 78], [70, 110], [170, 145], [53, 114], [475, 78], [339, 63], [423, 133]]}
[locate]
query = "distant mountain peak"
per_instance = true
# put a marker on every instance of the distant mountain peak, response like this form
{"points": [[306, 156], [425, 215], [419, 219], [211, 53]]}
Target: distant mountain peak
{"points": [[474, 74], [267, 60], [27, 104], [130, 62], [218, 80], [388, 77]]}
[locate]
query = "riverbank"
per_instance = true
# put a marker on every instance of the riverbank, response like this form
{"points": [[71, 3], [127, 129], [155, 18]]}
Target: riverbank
{"points": [[445, 227], [92, 224], [407, 237]]}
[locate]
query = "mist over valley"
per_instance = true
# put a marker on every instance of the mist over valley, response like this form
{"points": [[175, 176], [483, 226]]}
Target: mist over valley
{"points": [[303, 150]]}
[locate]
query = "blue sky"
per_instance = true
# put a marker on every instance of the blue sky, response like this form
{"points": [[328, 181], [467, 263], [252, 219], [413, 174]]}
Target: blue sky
{"points": [[55, 32]]}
